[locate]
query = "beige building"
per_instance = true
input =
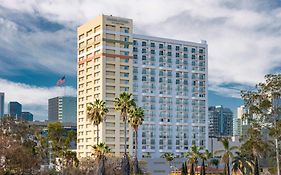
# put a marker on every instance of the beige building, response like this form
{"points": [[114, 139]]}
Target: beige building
{"points": [[104, 70]]}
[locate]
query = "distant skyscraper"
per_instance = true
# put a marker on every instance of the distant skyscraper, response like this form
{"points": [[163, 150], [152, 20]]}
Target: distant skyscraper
{"points": [[14, 109], [27, 116], [242, 123], [221, 121], [62, 109], [2, 101]]}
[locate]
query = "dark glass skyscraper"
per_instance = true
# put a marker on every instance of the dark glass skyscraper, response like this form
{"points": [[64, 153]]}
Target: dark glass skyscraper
{"points": [[14, 109], [2, 97], [27, 116], [220, 121], [62, 109]]}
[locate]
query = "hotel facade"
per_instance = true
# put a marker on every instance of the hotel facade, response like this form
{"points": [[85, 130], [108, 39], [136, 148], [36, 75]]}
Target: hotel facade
{"points": [[167, 77]]}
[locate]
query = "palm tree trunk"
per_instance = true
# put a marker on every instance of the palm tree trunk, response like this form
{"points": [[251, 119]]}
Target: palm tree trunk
{"points": [[101, 166], [125, 134], [203, 171], [256, 168], [97, 134], [192, 169], [136, 163], [228, 169], [125, 162]]}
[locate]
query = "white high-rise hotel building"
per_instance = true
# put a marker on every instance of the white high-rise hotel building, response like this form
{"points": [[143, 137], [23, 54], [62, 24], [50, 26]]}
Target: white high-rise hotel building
{"points": [[167, 77]]}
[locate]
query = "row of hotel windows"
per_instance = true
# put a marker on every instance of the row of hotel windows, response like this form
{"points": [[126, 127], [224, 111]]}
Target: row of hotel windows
{"points": [[169, 46], [168, 53], [107, 27]]}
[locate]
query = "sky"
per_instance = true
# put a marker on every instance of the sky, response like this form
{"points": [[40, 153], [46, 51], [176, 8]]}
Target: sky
{"points": [[38, 42]]}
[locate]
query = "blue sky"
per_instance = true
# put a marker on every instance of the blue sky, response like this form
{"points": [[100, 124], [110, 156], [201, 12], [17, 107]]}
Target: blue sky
{"points": [[38, 42]]}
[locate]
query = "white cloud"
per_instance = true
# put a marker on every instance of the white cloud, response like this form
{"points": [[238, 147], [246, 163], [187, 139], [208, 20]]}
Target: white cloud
{"points": [[243, 36], [34, 99]]}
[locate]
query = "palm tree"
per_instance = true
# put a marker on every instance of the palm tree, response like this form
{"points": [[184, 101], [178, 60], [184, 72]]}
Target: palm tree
{"points": [[193, 156], [241, 164], [100, 151], [205, 156], [123, 104], [226, 154], [169, 158], [136, 117], [96, 114]]}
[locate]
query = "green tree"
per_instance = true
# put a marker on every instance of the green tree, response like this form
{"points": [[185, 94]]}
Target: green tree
{"points": [[264, 106], [96, 113], [205, 156], [169, 158], [226, 154], [100, 151], [123, 104], [255, 145], [193, 155], [60, 140], [136, 117]]}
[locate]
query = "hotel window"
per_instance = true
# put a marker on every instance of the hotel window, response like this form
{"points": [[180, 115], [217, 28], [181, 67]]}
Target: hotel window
{"points": [[110, 66], [177, 55], [110, 95], [177, 48], [124, 53], [124, 67], [110, 27], [81, 58], [110, 73], [81, 44], [124, 81], [110, 88], [152, 44], [110, 51], [135, 42], [89, 32], [110, 80], [125, 75], [124, 89], [193, 50], [169, 53], [110, 36], [152, 51], [89, 41], [97, 28], [185, 49], [97, 37], [89, 48], [81, 51], [81, 36], [124, 29], [124, 60], [143, 43], [96, 81], [161, 52], [169, 46], [161, 46]]}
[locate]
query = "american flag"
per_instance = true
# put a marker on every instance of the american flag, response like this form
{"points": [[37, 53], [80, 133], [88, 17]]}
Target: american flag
{"points": [[61, 81]]}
